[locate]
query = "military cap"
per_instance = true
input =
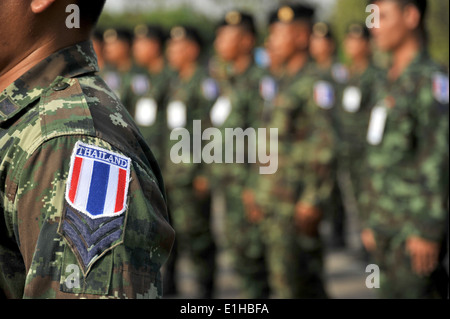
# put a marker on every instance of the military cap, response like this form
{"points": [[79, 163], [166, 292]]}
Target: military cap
{"points": [[291, 13], [358, 30], [186, 33], [122, 34], [240, 19], [322, 30], [150, 31]]}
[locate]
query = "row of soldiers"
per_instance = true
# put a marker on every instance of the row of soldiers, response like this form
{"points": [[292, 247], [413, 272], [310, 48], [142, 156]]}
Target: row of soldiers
{"points": [[349, 138]]}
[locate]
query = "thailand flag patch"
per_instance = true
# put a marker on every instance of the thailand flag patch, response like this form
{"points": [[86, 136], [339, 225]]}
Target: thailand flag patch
{"points": [[440, 88], [98, 181], [324, 95]]}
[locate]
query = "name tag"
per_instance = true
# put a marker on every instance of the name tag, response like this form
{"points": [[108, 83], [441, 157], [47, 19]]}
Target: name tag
{"points": [[146, 109], [176, 115], [352, 99], [220, 111], [377, 125]]}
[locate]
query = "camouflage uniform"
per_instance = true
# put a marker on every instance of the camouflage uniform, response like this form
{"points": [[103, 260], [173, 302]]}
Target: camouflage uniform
{"points": [[121, 83], [48, 248], [337, 77], [352, 116], [244, 239], [191, 213], [149, 96], [305, 151], [407, 161]]}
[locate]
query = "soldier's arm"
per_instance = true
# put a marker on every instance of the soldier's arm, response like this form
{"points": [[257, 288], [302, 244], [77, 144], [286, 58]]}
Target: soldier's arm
{"points": [[69, 254], [428, 206], [318, 150]]}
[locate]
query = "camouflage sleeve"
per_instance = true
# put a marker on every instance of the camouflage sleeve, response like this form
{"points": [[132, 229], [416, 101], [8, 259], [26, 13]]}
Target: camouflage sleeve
{"points": [[315, 150], [72, 247], [429, 188]]}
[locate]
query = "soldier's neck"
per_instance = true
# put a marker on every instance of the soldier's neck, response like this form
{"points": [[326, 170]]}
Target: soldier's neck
{"points": [[241, 64], [187, 71], [156, 66], [325, 63], [124, 66], [403, 56], [359, 65], [296, 63], [31, 57]]}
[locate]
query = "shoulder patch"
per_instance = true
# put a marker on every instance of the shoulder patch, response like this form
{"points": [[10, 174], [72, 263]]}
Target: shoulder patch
{"points": [[324, 95], [210, 89], [441, 88], [113, 80], [340, 73], [140, 84], [268, 88], [98, 181]]}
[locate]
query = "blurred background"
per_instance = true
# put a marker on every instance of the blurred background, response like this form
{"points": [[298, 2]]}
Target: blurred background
{"points": [[345, 268], [204, 15]]}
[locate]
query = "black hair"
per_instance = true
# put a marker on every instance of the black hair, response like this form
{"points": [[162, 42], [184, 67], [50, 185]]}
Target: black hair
{"points": [[90, 11]]}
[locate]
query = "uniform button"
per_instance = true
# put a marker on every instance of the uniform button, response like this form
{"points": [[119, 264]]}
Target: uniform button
{"points": [[61, 86]]}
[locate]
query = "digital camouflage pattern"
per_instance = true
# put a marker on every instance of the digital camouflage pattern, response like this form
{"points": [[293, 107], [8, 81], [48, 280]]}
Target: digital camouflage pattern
{"points": [[336, 75], [121, 82], [408, 170], [190, 212], [305, 151], [43, 114], [352, 116], [243, 237]]}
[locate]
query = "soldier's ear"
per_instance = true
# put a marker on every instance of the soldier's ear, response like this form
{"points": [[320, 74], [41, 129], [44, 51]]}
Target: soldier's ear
{"points": [[39, 6], [412, 17]]}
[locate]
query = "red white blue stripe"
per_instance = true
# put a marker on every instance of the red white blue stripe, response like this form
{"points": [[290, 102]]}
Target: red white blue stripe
{"points": [[98, 181]]}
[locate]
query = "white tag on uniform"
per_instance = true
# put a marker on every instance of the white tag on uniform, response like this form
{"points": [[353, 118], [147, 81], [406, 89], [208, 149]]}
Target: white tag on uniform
{"points": [[220, 111], [352, 99], [377, 125], [146, 109], [176, 115]]}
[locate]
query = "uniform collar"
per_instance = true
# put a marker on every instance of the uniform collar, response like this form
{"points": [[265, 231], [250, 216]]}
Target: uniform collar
{"points": [[69, 62], [416, 64]]}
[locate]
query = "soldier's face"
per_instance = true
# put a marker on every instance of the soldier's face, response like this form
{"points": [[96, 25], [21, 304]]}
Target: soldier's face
{"points": [[227, 42], [393, 26], [181, 52], [146, 50], [356, 47], [116, 51], [321, 48], [282, 41]]}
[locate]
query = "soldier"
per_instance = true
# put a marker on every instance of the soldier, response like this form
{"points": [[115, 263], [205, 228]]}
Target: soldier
{"points": [[239, 106], [83, 212], [292, 199], [120, 67], [407, 159], [323, 50], [191, 95], [354, 113], [149, 92]]}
